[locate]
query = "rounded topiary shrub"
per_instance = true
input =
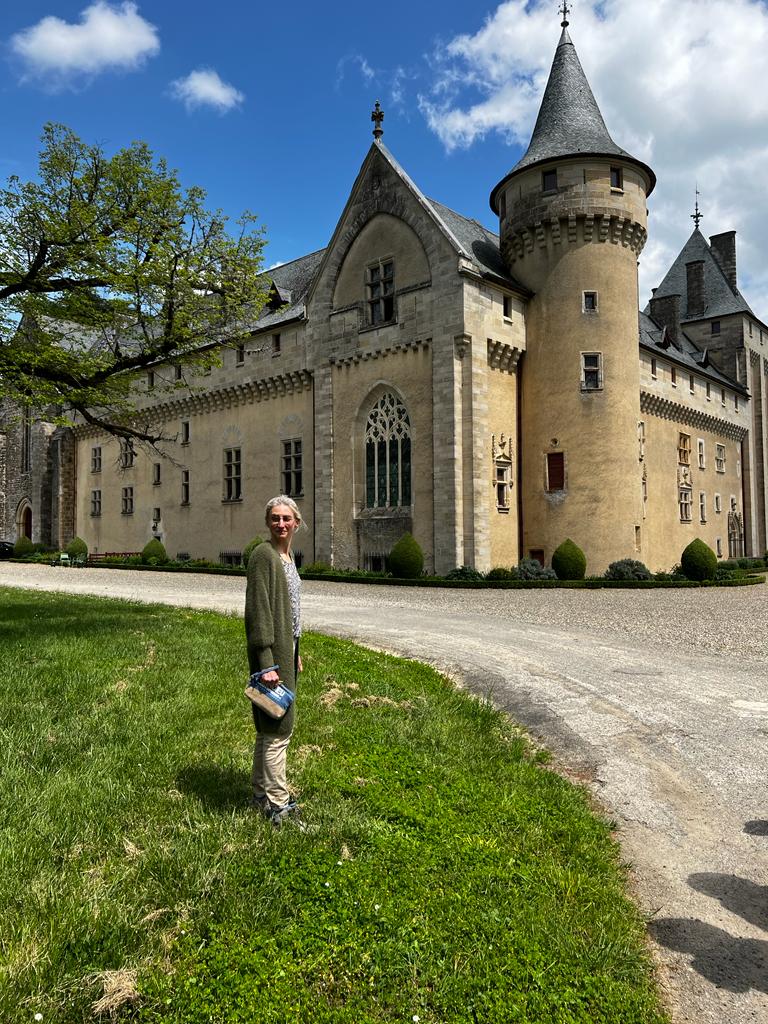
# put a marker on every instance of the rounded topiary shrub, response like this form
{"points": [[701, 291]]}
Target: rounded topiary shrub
{"points": [[406, 559], [699, 561], [569, 561], [627, 569], [77, 548], [500, 574], [249, 547], [464, 572], [23, 547], [531, 569], [154, 550]]}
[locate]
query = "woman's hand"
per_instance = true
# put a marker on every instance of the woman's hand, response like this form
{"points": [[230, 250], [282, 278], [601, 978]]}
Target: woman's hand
{"points": [[270, 679], [301, 667]]}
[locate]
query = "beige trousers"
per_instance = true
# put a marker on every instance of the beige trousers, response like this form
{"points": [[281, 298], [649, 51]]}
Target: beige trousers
{"points": [[268, 776]]}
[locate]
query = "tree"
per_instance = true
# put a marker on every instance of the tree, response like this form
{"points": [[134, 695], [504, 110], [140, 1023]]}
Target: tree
{"points": [[108, 266]]}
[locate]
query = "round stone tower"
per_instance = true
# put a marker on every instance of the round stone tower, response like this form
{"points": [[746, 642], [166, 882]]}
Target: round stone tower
{"points": [[572, 219]]}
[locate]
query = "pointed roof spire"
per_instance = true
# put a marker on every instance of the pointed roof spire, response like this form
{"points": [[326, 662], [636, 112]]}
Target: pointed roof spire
{"points": [[569, 123], [377, 117], [697, 215]]}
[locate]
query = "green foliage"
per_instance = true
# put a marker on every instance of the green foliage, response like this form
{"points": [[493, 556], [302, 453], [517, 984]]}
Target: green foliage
{"points": [[153, 553], [23, 547], [627, 569], [569, 561], [406, 559], [531, 569], [95, 246], [443, 868], [500, 574], [698, 561], [317, 567], [250, 547], [77, 548], [464, 572]]}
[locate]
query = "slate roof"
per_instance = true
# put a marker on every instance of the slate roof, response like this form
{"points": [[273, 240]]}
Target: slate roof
{"points": [[480, 244], [683, 352], [292, 280], [719, 297], [569, 122]]}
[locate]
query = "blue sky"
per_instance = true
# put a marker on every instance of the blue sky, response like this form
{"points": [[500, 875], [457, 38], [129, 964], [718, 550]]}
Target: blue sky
{"points": [[268, 107]]}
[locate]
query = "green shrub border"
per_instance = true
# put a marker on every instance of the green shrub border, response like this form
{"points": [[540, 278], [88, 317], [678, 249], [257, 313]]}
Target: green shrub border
{"points": [[392, 581]]}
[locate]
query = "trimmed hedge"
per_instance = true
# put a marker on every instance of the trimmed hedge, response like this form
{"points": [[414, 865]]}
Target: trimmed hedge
{"points": [[77, 548], [406, 559], [154, 549], [569, 561], [698, 561]]}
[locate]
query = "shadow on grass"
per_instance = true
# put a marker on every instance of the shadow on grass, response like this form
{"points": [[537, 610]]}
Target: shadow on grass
{"points": [[217, 788], [64, 616]]}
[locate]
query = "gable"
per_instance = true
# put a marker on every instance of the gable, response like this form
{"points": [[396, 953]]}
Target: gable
{"points": [[384, 236]]}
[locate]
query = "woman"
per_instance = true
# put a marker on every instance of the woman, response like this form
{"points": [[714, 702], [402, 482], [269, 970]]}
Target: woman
{"points": [[272, 629]]}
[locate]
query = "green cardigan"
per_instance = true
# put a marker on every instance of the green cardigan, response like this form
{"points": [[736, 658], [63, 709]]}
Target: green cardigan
{"points": [[269, 629]]}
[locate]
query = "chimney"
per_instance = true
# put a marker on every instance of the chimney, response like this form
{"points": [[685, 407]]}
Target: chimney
{"points": [[724, 249], [666, 312], [695, 288]]}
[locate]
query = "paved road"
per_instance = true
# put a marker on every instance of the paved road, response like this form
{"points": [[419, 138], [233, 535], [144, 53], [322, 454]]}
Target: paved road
{"points": [[657, 701]]}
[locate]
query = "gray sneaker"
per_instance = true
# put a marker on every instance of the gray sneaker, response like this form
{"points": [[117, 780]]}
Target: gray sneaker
{"points": [[262, 805], [290, 812]]}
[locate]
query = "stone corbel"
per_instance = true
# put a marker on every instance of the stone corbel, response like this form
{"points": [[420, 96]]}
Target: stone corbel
{"points": [[461, 343]]}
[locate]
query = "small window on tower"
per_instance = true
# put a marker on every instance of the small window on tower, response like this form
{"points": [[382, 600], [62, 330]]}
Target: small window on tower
{"points": [[617, 178], [715, 327], [549, 181], [589, 302], [591, 371], [507, 303], [555, 471]]}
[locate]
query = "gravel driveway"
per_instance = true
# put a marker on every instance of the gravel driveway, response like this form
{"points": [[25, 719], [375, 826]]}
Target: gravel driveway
{"points": [[657, 701]]}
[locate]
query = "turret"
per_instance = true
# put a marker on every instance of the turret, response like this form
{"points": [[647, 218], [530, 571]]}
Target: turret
{"points": [[572, 218]]}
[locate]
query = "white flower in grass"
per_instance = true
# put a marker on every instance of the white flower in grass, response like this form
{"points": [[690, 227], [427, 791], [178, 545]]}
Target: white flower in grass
{"points": [[377, 906], [38, 1016], [327, 885], [415, 1018]]}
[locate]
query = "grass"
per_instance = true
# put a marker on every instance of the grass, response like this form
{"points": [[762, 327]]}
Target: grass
{"points": [[446, 875]]}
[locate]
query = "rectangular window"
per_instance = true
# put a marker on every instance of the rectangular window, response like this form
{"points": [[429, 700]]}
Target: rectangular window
{"points": [[156, 473], [589, 302], [684, 449], [702, 507], [617, 177], [177, 371], [685, 504], [702, 454], [715, 328], [507, 305], [720, 458], [127, 453], [555, 471], [155, 515], [185, 487], [750, 328], [233, 489], [26, 442], [240, 355], [719, 546], [736, 403], [692, 384], [95, 503], [549, 181], [380, 287], [591, 371], [718, 503], [722, 396], [673, 377], [641, 439], [291, 468], [276, 345], [654, 371], [150, 380], [185, 431], [502, 486], [127, 501], [96, 459], [709, 392]]}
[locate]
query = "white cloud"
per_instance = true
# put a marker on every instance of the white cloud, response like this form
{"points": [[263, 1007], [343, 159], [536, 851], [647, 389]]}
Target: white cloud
{"points": [[106, 37], [680, 83], [390, 84], [204, 88]]}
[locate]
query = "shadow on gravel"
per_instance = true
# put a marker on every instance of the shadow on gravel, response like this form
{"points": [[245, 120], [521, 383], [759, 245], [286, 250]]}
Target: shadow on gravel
{"points": [[736, 965], [217, 788], [738, 895], [756, 828]]}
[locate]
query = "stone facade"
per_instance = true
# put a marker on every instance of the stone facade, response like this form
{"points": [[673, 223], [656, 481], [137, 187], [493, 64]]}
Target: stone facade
{"points": [[492, 394]]}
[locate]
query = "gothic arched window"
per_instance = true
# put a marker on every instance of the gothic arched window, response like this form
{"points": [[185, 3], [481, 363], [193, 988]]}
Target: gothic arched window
{"points": [[388, 454]]}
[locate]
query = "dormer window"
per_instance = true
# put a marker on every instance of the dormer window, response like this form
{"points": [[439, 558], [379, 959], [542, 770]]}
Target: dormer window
{"points": [[617, 178], [549, 181], [380, 289]]}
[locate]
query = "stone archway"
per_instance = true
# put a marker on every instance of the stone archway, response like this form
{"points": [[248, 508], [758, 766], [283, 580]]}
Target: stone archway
{"points": [[24, 519]]}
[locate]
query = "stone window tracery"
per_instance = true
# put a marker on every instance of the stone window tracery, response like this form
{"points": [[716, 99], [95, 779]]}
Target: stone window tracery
{"points": [[388, 454]]}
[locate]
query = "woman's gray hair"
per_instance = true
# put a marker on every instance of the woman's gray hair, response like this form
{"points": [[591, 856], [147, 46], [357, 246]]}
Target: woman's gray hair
{"points": [[282, 499]]}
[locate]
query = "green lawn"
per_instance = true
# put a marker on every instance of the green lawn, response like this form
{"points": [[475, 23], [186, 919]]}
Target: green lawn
{"points": [[446, 874]]}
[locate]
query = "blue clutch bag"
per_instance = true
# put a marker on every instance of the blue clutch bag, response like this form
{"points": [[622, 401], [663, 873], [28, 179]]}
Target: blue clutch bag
{"points": [[272, 700]]}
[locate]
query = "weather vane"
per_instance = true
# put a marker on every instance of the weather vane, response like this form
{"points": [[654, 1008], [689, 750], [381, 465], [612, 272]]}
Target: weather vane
{"points": [[377, 117], [697, 215], [565, 10]]}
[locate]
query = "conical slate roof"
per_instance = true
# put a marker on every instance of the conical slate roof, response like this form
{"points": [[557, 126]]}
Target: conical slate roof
{"points": [[569, 122]]}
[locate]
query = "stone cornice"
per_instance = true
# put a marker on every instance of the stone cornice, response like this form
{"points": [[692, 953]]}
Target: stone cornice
{"points": [[361, 357], [655, 405], [595, 227], [244, 393], [502, 356]]}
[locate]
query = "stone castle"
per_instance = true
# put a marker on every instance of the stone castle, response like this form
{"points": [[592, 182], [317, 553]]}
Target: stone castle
{"points": [[493, 394]]}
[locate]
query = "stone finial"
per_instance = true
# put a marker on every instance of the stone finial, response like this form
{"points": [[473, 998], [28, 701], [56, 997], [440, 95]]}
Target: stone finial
{"points": [[377, 117], [697, 215], [565, 10]]}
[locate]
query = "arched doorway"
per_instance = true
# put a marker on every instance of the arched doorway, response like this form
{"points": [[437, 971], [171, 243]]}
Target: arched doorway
{"points": [[24, 519]]}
